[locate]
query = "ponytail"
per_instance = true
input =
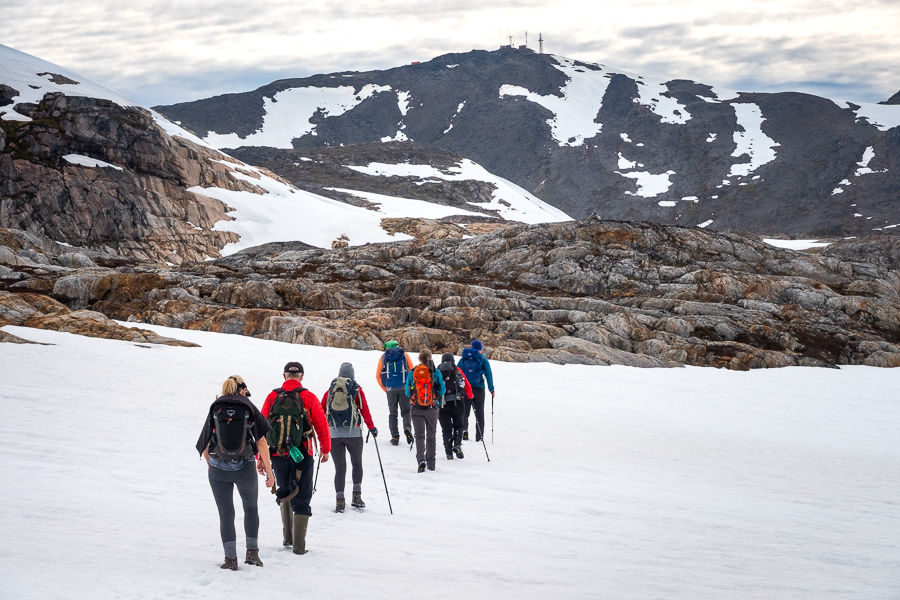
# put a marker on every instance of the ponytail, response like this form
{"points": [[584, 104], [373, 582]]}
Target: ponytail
{"points": [[232, 385]]}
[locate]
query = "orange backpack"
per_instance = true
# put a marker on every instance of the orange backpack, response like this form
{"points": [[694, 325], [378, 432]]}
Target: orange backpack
{"points": [[422, 387]]}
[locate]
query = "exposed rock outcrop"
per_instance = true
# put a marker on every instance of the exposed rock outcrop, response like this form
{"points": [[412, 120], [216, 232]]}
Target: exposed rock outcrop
{"points": [[589, 292]]}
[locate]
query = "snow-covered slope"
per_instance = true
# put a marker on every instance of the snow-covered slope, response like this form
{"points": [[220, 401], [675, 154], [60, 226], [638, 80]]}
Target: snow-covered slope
{"points": [[669, 483], [509, 200]]}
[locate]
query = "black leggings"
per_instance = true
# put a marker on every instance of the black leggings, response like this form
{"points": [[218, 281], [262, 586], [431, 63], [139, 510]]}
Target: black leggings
{"points": [[222, 484], [354, 446], [451, 418], [477, 402]]}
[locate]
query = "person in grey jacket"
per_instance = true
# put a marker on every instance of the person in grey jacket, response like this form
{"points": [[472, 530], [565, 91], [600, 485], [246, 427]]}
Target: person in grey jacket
{"points": [[345, 425]]}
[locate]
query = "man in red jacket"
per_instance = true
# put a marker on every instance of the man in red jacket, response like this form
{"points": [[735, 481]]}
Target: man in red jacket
{"points": [[290, 474]]}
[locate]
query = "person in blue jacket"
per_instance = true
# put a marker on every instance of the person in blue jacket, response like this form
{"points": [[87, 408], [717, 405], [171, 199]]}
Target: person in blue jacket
{"points": [[425, 389], [476, 368]]}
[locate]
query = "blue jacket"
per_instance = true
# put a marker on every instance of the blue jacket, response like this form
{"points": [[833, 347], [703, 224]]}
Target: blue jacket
{"points": [[436, 377], [476, 380]]}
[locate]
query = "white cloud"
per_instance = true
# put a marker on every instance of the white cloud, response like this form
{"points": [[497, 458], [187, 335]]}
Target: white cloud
{"points": [[163, 52]]}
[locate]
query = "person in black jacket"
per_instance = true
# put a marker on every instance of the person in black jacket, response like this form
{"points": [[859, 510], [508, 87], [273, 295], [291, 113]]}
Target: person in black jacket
{"points": [[453, 405], [228, 442]]}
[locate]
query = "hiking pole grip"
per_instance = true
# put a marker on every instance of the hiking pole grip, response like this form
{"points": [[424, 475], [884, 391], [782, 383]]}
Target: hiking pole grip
{"points": [[377, 451]]}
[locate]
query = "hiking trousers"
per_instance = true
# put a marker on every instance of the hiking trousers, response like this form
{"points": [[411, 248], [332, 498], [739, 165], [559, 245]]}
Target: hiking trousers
{"points": [[425, 423], [451, 418], [398, 400], [223, 483], [477, 402], [286, 478], [354, 446]]}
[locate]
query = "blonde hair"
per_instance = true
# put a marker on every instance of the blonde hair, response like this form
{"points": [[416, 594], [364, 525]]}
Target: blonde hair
{"points": [[230, 387]]}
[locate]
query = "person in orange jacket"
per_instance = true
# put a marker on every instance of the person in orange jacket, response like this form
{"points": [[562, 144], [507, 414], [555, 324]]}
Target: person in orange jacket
{"points": [[295, 479], [393, 366]]}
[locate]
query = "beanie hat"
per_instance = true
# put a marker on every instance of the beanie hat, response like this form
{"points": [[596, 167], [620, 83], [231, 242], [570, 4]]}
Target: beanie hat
{"points": [[477, 345], [391, 344], [447, 357], [346, 370], [293, 367]]}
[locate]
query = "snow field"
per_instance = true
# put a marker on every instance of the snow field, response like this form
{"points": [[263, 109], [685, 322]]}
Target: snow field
{"points": [[509, 200], [664, 483]]}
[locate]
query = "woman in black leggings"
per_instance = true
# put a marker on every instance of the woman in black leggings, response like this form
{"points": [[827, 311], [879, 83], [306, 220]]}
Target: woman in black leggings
{"points": [[233, 433]]}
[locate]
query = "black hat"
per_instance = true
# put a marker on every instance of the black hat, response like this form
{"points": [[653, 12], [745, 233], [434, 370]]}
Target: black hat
{"points": [[293, 367]]}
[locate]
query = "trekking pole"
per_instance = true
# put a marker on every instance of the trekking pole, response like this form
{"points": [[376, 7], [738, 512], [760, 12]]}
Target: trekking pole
{"points": [[492, 418], [316, 480], [382, 471], [481, 435]]}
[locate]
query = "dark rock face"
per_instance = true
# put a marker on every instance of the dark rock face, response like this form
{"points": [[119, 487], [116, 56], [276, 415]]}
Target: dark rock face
{"points": [[142, 208], [318, 170], [588, 292], [895, 99], [817, 144]]}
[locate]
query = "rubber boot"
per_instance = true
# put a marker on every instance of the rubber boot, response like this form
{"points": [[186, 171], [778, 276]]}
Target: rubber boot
{"points": [[300, 524], [287, 525]]}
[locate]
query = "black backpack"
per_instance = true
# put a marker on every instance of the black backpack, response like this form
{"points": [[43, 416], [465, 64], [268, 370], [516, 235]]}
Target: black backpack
{"points": [[453, 381], [231, 437]]}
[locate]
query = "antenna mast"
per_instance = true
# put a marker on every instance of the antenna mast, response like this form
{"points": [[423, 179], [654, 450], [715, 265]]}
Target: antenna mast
{"points": [[541, 43]]}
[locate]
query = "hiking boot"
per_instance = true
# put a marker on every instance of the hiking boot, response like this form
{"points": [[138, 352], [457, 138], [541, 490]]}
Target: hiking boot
{"points": [[431, 468], [341, 505], [300, 524], [466, 435], [287, 524], [458, 451], [395, 441], [253, 557], [357, 501], [230, 564], [421, 467], [449, 456], [409, 436]]}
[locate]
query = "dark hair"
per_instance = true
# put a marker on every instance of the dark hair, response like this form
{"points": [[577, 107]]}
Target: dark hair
{"points": [[425, 356]]}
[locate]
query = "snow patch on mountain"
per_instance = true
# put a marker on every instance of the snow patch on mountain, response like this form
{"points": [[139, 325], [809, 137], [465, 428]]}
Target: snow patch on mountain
{"points": [[575, 112], [882, 116], [868, 155], [286, 214], [509, 200], [393, 206], [288, 114], [87, 161], [649, 184], [403, 102], [751, 141], [650, 94]]}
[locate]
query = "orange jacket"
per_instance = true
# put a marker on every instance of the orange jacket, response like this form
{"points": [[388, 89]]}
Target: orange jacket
{"points": [[409, 367]]}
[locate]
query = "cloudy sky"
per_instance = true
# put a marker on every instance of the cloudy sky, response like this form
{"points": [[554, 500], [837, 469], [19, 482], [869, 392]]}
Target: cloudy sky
{"points": [[161, 52]]}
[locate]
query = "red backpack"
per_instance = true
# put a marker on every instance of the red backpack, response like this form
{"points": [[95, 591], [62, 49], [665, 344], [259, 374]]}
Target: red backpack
{"points": [[422, 387]]}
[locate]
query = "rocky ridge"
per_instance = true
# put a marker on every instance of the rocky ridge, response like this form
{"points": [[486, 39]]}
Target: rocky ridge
{"points": [[587, 292]]}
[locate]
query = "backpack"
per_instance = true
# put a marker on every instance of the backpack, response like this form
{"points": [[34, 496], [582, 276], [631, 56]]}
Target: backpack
{"points": [[341, 408], [422, 387], [231, 438], [453, 381], [393, 368], [470, 363], [289, 420]]}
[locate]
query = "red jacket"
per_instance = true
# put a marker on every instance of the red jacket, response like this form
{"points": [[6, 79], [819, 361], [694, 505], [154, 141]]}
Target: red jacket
{"points": [[468, 389], [316, 415], [361, 404]]}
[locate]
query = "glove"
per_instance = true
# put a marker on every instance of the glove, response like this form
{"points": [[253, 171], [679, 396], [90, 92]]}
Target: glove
{"points": [[374, 432]]}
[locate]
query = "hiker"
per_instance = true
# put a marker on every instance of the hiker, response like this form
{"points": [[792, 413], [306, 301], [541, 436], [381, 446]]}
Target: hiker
{"points": [[476, 368], [453, 405], [233, 433], [345, 407], [294, 412], [393, 366], [424, 387]]}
